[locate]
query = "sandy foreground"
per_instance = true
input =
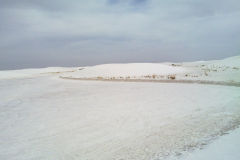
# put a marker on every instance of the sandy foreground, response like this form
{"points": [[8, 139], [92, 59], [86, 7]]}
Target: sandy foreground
{"points": [[225, 147], [116, 112], [50, 118]]}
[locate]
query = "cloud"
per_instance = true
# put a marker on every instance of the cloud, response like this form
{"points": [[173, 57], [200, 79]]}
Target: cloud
{"points": [[57, 32], [130, 2]]}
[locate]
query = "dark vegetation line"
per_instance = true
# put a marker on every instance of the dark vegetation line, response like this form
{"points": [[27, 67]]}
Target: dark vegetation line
{"points": [[222, 83]]}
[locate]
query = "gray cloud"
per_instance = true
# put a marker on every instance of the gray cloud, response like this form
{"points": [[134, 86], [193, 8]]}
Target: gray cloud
{"points": [[76, 32], [129, 2]]}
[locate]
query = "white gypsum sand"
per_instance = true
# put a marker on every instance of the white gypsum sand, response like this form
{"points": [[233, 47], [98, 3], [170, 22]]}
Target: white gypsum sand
{"points": [[226, 147], [227, 70], [45, 117]]}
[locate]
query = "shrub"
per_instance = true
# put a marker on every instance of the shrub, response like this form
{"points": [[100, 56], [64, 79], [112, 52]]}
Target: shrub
{"points": [[172, 77], [235, 68]]}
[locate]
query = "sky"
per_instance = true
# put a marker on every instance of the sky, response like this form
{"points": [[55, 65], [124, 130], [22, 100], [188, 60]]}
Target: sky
{"points": [[44, 33]]}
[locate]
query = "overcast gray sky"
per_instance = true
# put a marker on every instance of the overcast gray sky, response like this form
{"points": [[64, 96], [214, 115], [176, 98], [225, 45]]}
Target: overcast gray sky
{"points": [[40, 33]]}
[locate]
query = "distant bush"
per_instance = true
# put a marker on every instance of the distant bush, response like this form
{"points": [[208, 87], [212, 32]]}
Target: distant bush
{"points": [[235, 68], [176, 65], [172, 77], [99, 77]]}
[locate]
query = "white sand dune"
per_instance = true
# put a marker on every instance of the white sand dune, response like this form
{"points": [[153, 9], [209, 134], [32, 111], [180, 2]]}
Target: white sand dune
{"points": [[131, 69], [45, 117], [227, 70]]}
